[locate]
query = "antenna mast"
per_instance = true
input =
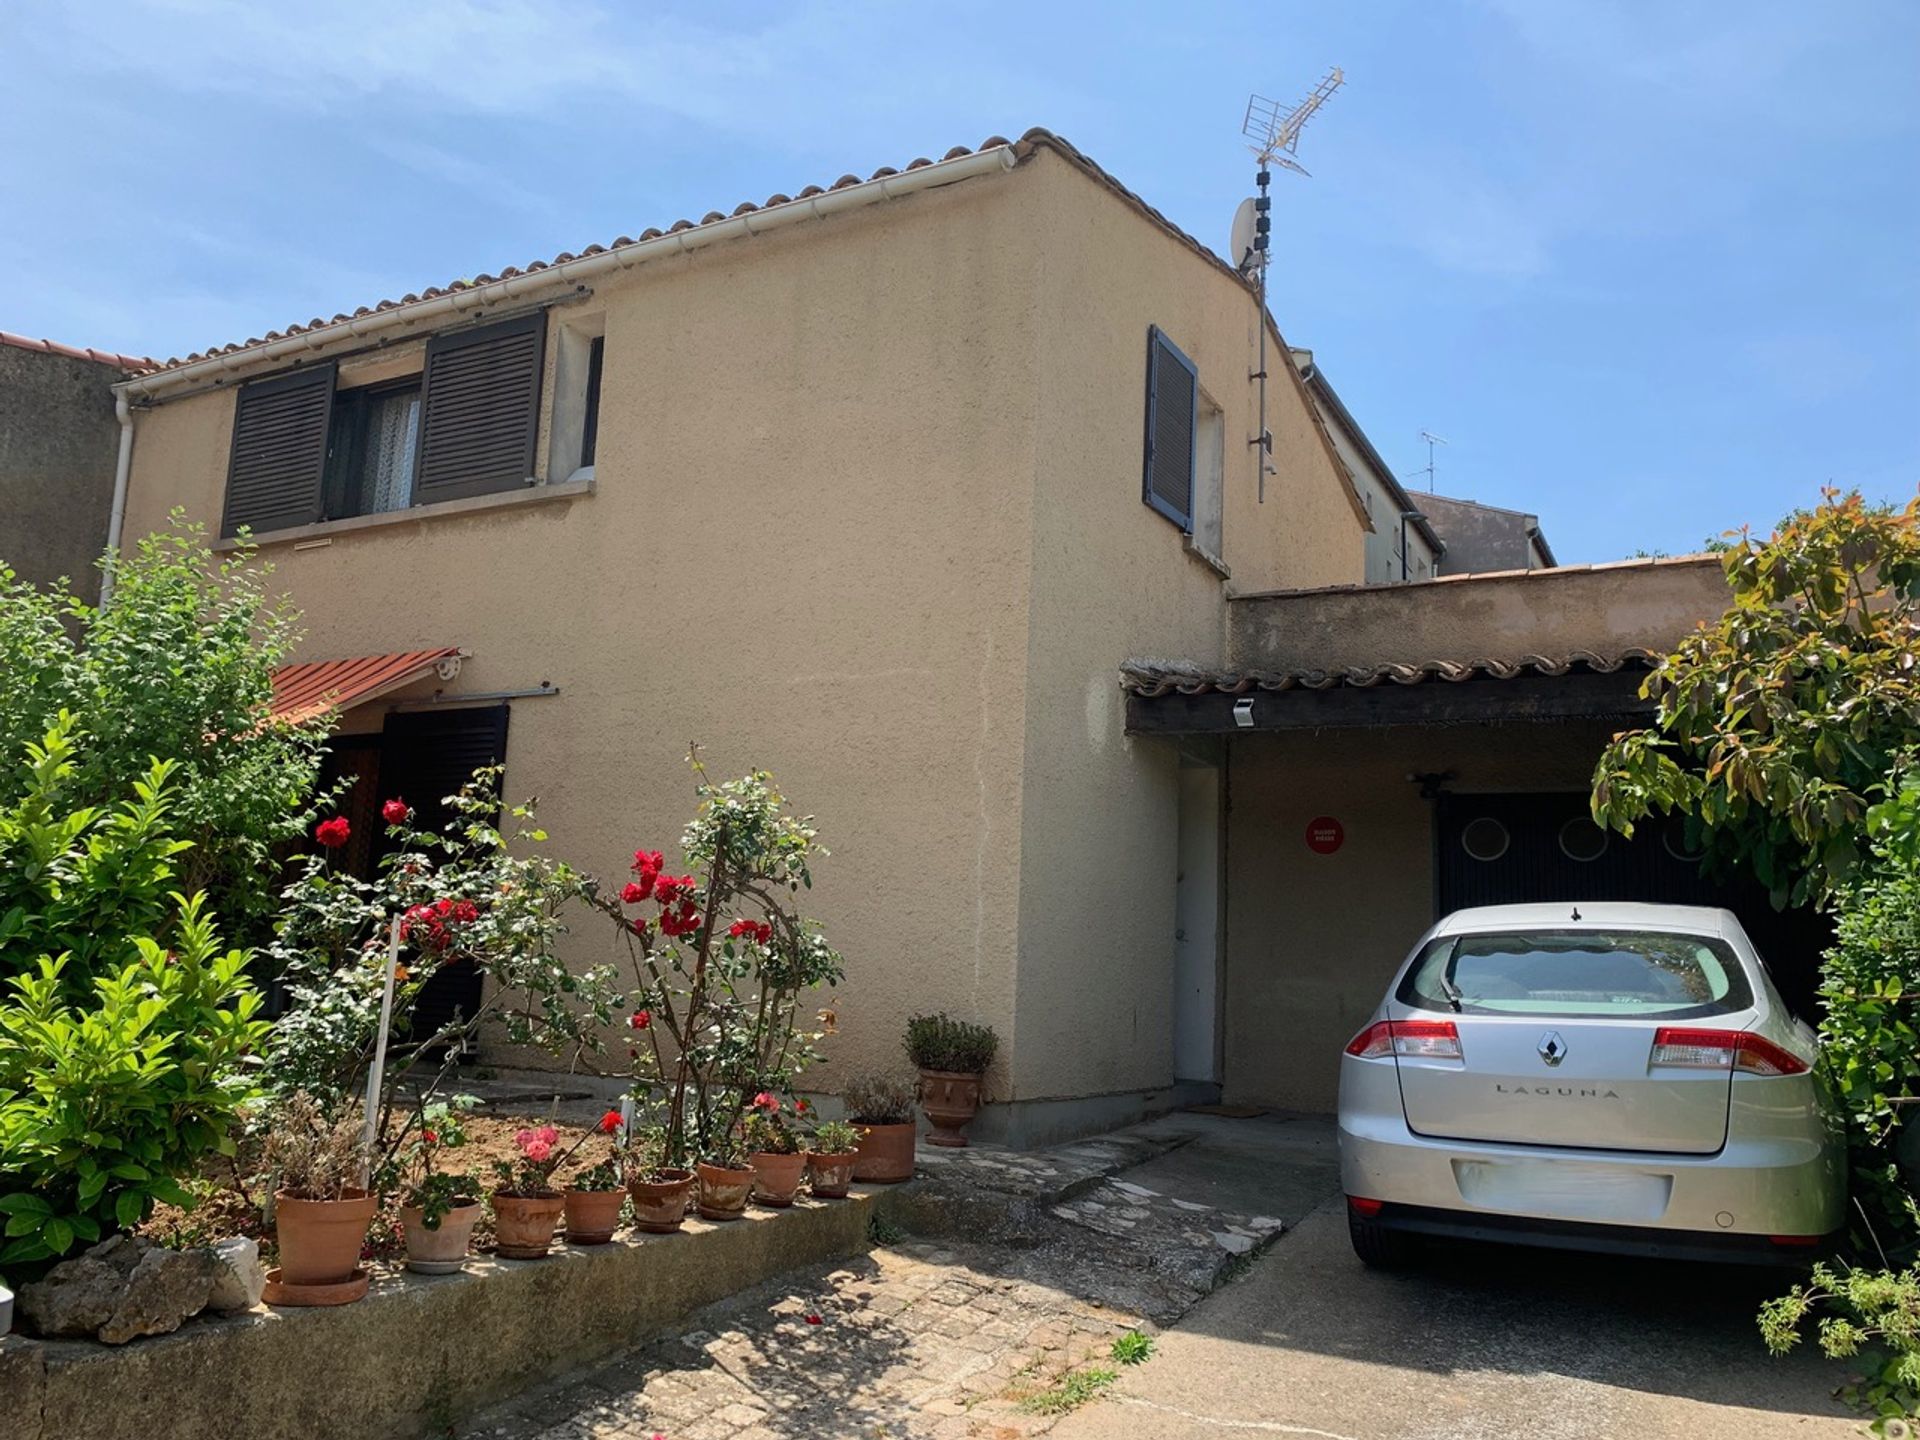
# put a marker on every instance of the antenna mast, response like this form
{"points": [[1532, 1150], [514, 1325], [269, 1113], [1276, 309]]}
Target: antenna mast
{"points": [[1274, 138]]}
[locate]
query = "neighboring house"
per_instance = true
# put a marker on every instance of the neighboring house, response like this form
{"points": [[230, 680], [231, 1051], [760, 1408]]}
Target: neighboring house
{"points": [[58, 445], [876, 486], [1481, 539], [1404, 545]]}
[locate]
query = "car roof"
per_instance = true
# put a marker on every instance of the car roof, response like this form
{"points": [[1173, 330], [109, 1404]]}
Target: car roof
{"points": [[1591, 915]]}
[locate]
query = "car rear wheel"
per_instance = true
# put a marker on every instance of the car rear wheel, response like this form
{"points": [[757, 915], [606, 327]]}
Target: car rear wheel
{"points": [[1378, 1246]]}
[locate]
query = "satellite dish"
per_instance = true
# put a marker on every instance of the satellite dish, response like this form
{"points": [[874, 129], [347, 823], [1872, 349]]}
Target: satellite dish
{"points": [[1240, 243]]}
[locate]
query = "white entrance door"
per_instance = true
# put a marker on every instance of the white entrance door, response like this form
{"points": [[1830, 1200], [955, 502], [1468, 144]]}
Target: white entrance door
{"points": [[1196, 922]]}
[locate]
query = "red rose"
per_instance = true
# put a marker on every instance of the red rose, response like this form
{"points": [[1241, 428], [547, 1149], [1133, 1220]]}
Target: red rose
{"points": [[466, 912], [800, 1107], [610, 1122], [641, 1019], [632, 893], [333, 833], [431, 1137], [646, 864], [813, 1319], [395, 811], [766, 1101]]}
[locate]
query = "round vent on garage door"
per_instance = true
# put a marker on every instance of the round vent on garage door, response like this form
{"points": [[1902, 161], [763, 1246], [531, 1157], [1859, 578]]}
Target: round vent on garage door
{"points": [[1582, 840], [1484, 838]]}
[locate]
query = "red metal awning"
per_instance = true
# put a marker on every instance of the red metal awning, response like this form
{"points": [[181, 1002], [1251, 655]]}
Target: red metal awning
{"points": [[302, 691]]}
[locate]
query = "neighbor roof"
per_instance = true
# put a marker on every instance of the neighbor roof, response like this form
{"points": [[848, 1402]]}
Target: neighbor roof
{"points": [[1151, 679], [132, 364]]}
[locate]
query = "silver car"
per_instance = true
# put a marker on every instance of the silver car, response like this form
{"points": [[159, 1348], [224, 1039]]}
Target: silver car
{"points": [[1611, 1077]]}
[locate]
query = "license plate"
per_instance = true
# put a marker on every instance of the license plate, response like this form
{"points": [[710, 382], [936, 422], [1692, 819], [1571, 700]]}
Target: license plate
{"points": [[1565, 1189]]}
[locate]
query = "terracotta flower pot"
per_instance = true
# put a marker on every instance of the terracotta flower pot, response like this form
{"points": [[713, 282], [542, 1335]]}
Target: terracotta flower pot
{"points": [[523, 1224], [320, 1240], [723, 1191], [776, 1178], [885, 1153], [441, 1250], [660, 1204], [593, 1215], [950, 1099], [830, 1175]]}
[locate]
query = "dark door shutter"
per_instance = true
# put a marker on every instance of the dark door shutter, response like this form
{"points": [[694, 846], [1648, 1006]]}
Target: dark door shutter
{"points": [[1172, 402], [427, 756], [480, 410], [279, 451]]}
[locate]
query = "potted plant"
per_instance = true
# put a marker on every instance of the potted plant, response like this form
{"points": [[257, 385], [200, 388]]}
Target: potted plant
{"points": [[526, 1206], [594, 1196], [659, 1191], [438, 1208], [830, 1159], [724, 1181], [321, 1211], [774, 1152], [951, 1056], [880, 1108]]}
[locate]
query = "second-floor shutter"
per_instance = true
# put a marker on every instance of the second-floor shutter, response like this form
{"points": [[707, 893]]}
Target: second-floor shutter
{"points": [[1172, 402], [480, 410], [279, 451]]}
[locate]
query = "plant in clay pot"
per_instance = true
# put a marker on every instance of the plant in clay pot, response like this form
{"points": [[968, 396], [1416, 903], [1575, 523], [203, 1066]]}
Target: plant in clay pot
{"points": [[660, 1192], [721, 960], [321, 1209], [830, 1156], [438, 1208], [594, 1195], [880, 1108], [774, 1152], [951, 1056], [526, 1205]]}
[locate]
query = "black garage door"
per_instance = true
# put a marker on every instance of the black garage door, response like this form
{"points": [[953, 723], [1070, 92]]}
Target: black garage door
{"points": [[1508, 849]]}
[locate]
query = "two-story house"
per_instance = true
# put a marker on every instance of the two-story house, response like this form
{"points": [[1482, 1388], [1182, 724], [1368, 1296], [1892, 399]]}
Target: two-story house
{"points": [[876, 485]]}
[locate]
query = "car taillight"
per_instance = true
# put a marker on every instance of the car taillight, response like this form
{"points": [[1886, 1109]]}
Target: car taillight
{"points": [[1723, 1050], [1415, 1039], [1365, 1207]]}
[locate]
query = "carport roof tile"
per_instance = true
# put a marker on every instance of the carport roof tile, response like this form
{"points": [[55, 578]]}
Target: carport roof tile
{"points": [[1150, 679]]}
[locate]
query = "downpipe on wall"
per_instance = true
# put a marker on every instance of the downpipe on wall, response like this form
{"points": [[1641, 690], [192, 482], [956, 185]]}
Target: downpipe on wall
{"points": [[117, 515]]}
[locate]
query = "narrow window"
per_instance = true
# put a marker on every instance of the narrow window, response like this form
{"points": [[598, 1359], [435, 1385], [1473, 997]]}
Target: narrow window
{"points": [[1209, 474], [590, 426]]}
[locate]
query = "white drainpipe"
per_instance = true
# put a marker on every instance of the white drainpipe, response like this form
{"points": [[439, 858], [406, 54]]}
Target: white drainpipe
{"points": [[117, 515]]}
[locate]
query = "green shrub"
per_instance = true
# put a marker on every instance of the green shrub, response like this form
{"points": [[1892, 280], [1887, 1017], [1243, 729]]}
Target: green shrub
{"points": [[876, 1099], [935, 1042], [177, 665], [1874, 1315]]}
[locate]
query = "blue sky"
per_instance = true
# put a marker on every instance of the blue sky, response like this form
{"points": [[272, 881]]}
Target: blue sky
{"points": [[1653, 269]]}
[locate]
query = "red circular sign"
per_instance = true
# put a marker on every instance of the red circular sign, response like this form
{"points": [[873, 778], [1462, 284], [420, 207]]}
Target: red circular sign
{"points": [[1325, 835]]}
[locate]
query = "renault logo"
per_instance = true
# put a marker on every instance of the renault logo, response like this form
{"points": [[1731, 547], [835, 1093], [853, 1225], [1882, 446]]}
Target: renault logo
{"points": [[1552, 1048]]}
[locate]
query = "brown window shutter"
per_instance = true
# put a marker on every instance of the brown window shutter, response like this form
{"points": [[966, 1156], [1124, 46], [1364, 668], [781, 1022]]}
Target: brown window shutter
{"points": [[480, 410], [1172, 405], [279, 451]]}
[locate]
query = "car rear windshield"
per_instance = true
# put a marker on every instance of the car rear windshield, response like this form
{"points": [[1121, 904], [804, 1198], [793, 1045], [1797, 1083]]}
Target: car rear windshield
{"points": [[1578, 973]]}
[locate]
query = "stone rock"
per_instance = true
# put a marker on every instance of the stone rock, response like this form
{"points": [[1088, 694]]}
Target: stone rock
{"points": [[238, 1276], [119, 1290]]}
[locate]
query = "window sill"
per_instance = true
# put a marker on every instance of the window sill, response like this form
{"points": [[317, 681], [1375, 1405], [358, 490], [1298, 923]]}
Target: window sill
{"points": [[1206, 557], [472, 504]]}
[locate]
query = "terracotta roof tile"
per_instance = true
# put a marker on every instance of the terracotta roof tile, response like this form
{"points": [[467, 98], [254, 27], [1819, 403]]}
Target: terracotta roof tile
{"points": [[132, 364], [1029, 142], [1151, 679]]}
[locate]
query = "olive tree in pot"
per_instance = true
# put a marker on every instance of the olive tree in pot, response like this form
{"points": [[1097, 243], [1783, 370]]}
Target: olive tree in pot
{"points": [[721, 960], [321, 1210], [951, 1056], [880, 1109]]}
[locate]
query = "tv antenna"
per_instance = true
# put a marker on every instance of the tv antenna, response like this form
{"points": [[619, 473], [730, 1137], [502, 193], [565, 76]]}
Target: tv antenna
{"points": [[1274, 138], [1432, 440]]}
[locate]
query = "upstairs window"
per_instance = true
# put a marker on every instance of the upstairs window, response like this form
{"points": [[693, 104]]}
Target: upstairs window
{"points": [[580, 350], [1173, 395], [304, 452], [373, 448]]}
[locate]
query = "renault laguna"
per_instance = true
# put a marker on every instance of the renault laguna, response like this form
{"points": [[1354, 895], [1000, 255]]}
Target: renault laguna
{"points": [[1609, 1077]]}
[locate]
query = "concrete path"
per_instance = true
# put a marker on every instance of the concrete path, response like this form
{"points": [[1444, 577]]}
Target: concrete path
{"points": [[1482, 1343]]}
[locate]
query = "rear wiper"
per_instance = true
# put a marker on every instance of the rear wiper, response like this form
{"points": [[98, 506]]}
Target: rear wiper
{"points": [[1447, 987]]}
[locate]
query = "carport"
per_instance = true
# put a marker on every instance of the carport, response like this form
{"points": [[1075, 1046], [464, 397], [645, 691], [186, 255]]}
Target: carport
{"points": [[1385, 755]]}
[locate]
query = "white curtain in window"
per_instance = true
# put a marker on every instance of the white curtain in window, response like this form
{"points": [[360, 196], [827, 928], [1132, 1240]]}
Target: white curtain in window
{"points": [[393, 435]]}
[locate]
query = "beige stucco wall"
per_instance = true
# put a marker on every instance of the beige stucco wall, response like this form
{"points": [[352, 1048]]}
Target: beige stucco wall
{"points": [[808, 549], [1313, 939], [1111, 580]]}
